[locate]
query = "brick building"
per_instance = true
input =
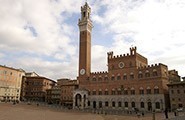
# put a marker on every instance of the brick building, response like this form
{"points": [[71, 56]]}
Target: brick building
{"points": [[10, 83], [67, 89], [34, 88], [177, 94], [128, 83]]}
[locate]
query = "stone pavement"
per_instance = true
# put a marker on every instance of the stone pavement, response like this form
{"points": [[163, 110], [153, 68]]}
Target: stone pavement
{"points": [[41, 112]]}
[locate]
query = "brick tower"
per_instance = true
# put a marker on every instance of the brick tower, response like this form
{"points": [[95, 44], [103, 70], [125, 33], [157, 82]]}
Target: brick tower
{"points": [[85, 27]]}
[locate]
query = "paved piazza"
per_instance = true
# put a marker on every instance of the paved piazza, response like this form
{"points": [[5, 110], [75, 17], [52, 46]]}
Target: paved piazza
{"points": [[34, 112]]}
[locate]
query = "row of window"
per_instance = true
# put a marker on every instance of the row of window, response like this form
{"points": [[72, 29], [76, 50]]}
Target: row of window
{"points": [[133, 104], [178, 91], [124, 92], [125, 77], [36, 83]]}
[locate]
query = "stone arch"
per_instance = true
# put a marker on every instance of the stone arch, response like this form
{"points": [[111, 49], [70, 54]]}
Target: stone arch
{"points": [[78, 100]]}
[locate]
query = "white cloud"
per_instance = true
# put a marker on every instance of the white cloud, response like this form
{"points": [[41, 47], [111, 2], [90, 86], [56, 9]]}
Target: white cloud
{"points": [[156, 27], [43, 28]]}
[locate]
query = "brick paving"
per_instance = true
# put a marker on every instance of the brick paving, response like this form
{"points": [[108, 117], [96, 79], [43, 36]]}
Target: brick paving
{"points": [[34, 112]]}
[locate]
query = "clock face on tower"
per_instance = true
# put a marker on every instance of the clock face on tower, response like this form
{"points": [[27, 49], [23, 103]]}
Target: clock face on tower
{"points": [[82, 71]]}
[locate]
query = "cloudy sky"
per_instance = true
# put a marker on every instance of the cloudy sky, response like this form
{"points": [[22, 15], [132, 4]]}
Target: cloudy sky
{"points": [[43, 36]]}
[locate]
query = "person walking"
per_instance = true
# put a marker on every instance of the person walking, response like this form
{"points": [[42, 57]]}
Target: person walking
{"points": [[166, 113]]}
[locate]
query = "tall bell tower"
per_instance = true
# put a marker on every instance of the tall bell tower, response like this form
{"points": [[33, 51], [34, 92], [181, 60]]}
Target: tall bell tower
{"points": [[85, 27]]}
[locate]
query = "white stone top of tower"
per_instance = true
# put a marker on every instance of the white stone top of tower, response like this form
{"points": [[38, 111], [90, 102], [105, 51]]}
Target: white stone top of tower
{"points": [[85, 22]]}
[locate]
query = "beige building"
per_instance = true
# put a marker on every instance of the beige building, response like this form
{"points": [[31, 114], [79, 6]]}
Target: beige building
{"points": [[10, 83], [177, 94]]}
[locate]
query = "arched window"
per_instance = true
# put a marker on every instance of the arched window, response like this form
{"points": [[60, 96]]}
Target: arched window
{"points": [[112, 78], [156, 90], [100, 104], [142, 105], [113, 104], [133, 104], [99, 78], [141, 91], [100, 92], [118, 77], [106, 103], [126, 104], [140, 75], [125, 91], [157, 105], [94, 92], [106, 78], [132, 91], [125, 76], [94, 78], [113, 92], [148, 90], [119, 91], [119, 104], [106, 92], [89, 103], [147, 73], [131, 75], [155, 72]]}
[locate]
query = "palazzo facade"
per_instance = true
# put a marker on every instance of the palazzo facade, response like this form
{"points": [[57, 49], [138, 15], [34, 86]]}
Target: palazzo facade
{"points": [[129, 83]]}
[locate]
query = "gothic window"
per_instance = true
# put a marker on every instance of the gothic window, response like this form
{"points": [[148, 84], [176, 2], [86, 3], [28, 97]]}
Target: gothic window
{"points": [[157, 105], [142, 105], [94, 79], [141, 92], [119, 92], [100, 104], [106, 92], [89, 103], [94, 92], [105, 78], [148, 91], [126, 104], [156, 90], [119, 104], [125, 92], [132, 92], [112, 78], [147, 74], [118, 77], [172, 92], [113, 92], [140, 75], [155, 72], [106, 103], [131, 76], [125, 77], [100, 92], [133, 104], [113, 104]]}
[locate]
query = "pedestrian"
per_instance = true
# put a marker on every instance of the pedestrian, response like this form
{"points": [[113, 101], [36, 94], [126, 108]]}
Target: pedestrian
{"points": [[166, 113], [175, 113], [143, 114]]}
